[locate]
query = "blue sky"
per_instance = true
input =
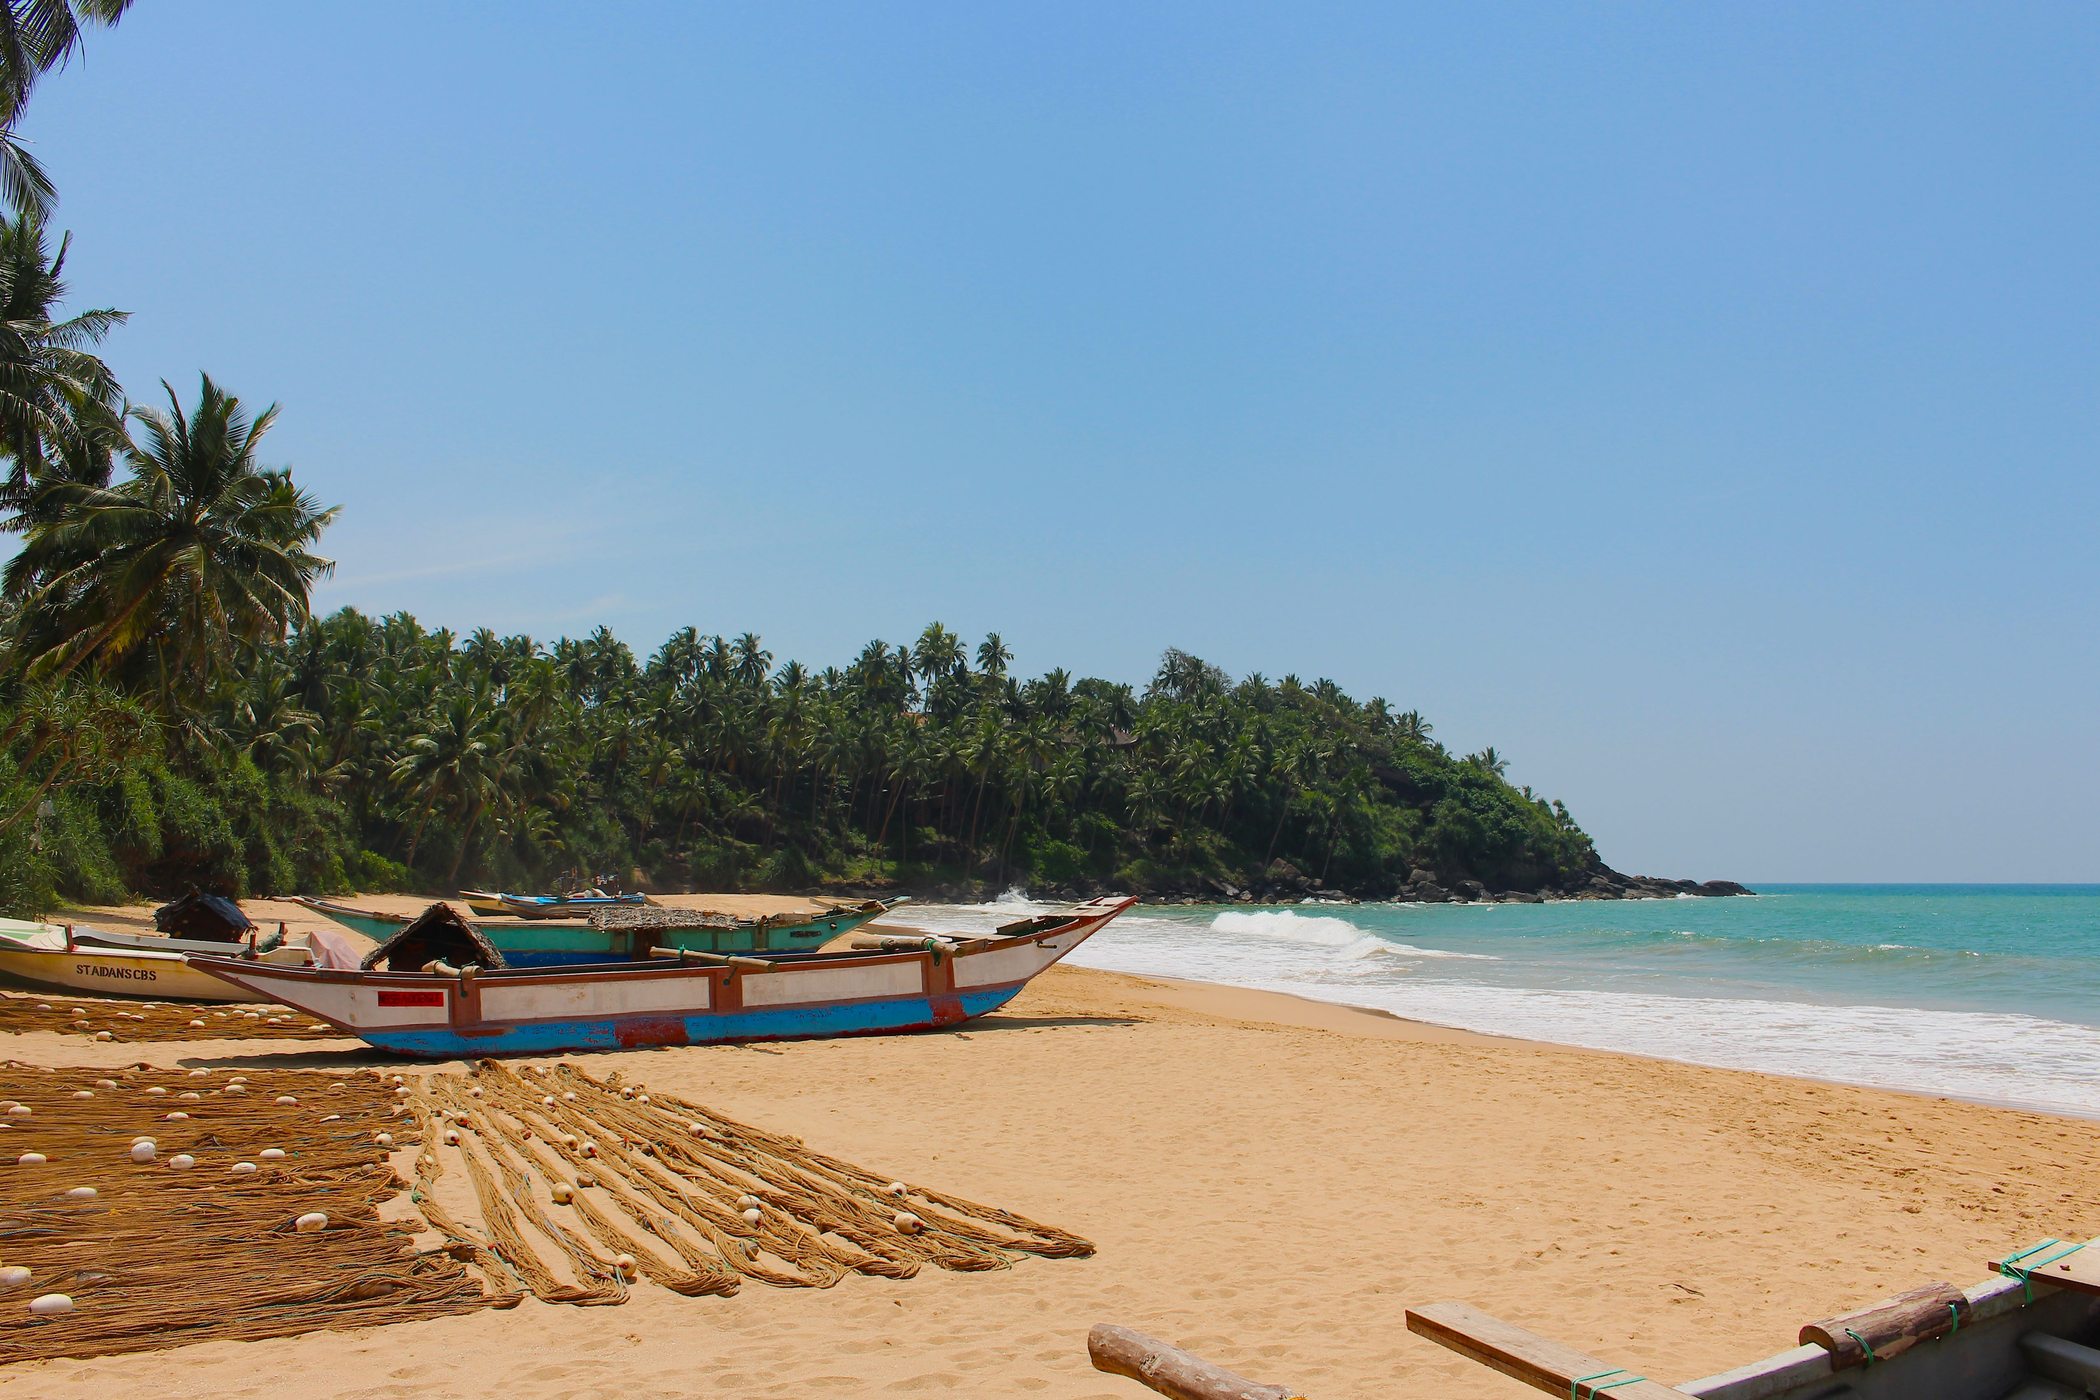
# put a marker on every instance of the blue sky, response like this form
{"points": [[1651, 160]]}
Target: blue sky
{"points": [[1698, 403]]}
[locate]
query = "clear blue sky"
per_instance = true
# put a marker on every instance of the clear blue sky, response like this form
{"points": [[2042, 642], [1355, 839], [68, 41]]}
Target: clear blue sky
{"points": [[1696, 402]]}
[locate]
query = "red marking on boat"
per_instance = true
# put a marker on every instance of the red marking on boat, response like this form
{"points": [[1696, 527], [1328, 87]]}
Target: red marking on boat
{"points": [[411, 998], [948, 1010], [650, 1030]]}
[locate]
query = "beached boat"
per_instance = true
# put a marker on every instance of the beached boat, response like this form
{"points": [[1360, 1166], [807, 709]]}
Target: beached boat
{"points": [[897, 984], [57, 957], [611, 935], [494, 905], [2033, 1333]]}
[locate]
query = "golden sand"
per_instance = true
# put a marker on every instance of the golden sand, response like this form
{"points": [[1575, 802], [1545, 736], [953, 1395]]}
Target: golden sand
{"points": [[1270, 1182]]}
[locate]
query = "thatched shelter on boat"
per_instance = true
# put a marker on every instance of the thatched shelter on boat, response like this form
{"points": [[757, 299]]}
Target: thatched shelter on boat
{"points": [[210, 917], [438, 935]]}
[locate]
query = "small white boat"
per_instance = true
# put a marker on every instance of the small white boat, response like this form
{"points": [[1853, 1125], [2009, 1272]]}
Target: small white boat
{"points": [[59, 957]]}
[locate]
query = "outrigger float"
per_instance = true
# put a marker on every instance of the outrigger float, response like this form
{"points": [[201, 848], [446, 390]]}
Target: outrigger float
{"points": [[495, 904], [628, 931], [676, 997]]}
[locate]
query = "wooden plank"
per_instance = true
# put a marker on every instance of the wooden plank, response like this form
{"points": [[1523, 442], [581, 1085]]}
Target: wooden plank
{"points": [[1172, 1372], [1530, 1358], [1889, 1328], [2078, 1271]]}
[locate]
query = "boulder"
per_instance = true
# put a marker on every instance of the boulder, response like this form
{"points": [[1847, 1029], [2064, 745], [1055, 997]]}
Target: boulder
{"points": [[1715, 889]]}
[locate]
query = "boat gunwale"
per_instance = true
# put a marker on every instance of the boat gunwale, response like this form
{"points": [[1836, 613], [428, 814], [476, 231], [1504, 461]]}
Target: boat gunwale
{"points": [[820, 959]]}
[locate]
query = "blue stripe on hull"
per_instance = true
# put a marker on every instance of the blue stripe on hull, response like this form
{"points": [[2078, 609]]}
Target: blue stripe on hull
{"points": [[707, 1028]]}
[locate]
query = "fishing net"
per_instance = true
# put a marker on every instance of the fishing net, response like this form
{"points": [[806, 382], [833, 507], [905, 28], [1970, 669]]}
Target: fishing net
{"points": [[160, 1255], [549, 1182], [583, 1185], [121, 1021]]}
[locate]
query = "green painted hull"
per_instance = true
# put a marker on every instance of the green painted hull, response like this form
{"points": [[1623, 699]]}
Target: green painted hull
{"points": [[534, 944]]}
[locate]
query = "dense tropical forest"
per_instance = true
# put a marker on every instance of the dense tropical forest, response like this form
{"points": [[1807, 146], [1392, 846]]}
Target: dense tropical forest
{"points": [[173, 716]]}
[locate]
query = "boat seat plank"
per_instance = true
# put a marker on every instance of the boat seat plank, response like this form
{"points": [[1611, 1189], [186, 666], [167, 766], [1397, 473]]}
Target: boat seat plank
{"points": [[1526, 1356], [2079, 1272]]}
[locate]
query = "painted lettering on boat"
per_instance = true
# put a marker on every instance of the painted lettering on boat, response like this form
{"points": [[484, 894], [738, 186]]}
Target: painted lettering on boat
{"points": [[411, 998], [132, 974]]}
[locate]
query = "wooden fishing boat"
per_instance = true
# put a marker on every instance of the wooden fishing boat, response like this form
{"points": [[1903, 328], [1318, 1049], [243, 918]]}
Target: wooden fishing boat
{"points": [[629, 931], [372, 923], [2033, 1333], [62, 958], [690, 998], [494, 905]]}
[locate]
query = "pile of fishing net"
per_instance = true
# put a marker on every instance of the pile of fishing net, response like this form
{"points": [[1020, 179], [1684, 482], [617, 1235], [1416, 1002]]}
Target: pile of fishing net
{"points": [[101, 1018], [151, 1207]]}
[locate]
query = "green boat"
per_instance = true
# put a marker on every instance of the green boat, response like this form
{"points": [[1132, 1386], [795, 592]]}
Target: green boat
{"points": [[630, 931]]}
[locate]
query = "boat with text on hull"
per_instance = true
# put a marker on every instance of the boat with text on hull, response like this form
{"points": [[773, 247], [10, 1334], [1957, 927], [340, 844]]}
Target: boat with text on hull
{"points": [[682, 997], [63, 958]]}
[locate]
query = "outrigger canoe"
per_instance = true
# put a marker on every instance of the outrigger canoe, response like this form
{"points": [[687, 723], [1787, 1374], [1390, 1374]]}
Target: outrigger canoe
{"points": [[627, 932], [491, 904], [61, 958], [898, 984]]}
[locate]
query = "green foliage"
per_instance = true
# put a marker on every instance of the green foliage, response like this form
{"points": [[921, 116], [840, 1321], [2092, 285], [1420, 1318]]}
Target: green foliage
{"points": [[373, 752]]}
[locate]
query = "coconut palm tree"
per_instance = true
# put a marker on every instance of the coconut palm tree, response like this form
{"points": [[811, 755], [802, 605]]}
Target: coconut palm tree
{"points": [[60, 407], [168, 576], [36, 37]]}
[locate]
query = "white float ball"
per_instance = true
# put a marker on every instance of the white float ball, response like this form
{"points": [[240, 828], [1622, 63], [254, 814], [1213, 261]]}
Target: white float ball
{"points": [[311, 1221], [51, 1305], [752, 1216], [31, 1159], [451, 1137], [13, 1276], [286, 1101], [272, 1154], [99, 1035], [176, 1117], [196, 1025], [562, 1192], [625, 1264], [384, 1139], [242, 1168], [83, 1093], [898, 1188], [234, 1089], [547, 1101], [156, 1090], [143, 1151], [182, 1161], [82, 1193], [20, 1110], [907, 1223]]}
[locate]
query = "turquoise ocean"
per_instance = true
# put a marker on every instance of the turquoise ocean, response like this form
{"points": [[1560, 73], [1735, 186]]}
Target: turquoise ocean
{"points": [[1987, 992]]}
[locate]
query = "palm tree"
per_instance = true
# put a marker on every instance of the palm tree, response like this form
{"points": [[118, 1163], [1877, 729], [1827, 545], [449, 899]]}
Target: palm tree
{"points": [[201, 555], [59, 404], [37, 36]]}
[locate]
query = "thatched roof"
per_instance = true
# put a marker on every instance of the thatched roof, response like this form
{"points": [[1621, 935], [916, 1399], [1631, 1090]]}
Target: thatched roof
{"points": [[649, 918], [212, 917], [438, 934]]}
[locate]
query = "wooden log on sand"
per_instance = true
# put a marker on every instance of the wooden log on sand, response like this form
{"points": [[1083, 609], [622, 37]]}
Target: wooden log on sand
{"points": [[1170, 1370], [1890, 1328]]}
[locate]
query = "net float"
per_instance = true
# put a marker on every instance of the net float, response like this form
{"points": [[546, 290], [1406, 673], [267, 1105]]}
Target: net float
{"points": [[242, 1168], [182, 1161], [272, 1154], [907, 1223], [51, 1305], [31, 1159], [311, 1221]]}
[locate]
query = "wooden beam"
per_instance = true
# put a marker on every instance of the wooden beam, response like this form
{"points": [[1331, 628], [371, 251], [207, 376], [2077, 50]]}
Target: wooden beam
{"points": [[2065, 1264], [1170, 1370], [1889, 1328], [1535, 1360]]}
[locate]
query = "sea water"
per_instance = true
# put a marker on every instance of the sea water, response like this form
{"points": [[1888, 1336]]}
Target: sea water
{"points": [[1988, 992]]}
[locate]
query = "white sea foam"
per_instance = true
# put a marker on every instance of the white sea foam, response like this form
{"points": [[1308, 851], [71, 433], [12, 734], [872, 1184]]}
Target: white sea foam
{"points": [[1996, 1057], [1325, 931]]}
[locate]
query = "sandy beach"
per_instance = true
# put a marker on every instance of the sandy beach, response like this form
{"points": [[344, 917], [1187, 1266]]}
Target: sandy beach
{"points": [[1269, 1181]]}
